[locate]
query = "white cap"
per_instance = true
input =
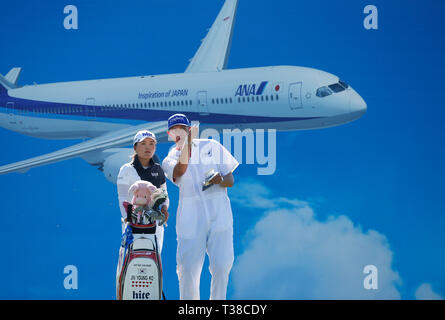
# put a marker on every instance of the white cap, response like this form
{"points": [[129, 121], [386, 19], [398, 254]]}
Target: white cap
{"points": [[143, 134]]}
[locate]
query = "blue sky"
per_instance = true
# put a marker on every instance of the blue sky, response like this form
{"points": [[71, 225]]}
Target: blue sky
{"points": [[383, 172]]}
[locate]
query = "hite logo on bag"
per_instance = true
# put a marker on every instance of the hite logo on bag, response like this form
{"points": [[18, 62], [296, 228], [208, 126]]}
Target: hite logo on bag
{"points": [[141, 295]]}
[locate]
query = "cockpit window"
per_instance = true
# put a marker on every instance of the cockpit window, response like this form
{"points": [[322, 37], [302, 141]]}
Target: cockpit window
{"points": [[323, 92], [344, 84], [332, 88], [336, 87]]}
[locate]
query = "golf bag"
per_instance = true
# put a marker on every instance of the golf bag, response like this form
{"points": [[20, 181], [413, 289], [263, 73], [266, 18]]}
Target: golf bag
{"points": [[140, 265]]}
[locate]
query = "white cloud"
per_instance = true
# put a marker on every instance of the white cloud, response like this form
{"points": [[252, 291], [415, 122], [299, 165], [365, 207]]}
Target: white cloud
{"points": [[292, 255], [251, 194], [425, 292]]}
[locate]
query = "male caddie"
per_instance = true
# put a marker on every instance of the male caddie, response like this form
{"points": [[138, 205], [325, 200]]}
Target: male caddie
{"points": [[202, 169]]}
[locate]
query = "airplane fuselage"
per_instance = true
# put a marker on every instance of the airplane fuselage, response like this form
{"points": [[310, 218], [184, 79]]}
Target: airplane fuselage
{"points": [[280, 97]]}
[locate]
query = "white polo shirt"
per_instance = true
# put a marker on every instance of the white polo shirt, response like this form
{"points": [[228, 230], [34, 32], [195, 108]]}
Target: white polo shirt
{"points": [[196, 206]]}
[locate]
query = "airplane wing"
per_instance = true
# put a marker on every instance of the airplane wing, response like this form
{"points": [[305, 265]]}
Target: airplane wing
{"points": [[113, 139], [213, 53]]}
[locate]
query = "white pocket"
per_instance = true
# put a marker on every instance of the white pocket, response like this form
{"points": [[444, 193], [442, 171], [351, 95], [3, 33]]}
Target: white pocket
{"points": [[187, 219]]}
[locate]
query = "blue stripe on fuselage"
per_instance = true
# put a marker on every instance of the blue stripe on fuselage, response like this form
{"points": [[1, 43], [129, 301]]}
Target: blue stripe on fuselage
{"points": [[101, 113]]}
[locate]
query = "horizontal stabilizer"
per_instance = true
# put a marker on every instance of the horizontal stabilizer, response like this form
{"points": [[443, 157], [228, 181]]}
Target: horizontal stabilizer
{"points": [[10, 80], [5, 85], [13, 75]]}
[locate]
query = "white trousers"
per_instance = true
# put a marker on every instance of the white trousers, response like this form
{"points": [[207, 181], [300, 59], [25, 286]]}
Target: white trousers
{"points": [[190, 259]]}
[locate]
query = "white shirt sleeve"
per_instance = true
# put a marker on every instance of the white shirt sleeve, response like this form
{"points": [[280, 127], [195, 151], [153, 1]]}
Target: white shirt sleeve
{"points": [[227, 163], [123, 185], [168, 165]]}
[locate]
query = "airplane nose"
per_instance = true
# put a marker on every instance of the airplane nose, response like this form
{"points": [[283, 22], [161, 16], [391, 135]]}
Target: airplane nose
{"points": [[356, 103]]}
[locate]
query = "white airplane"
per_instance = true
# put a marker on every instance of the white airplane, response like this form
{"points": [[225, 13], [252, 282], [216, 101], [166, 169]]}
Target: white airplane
{"points": [[110, 111]]}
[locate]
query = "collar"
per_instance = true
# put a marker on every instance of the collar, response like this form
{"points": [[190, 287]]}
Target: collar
{"points": [[137, 163]]}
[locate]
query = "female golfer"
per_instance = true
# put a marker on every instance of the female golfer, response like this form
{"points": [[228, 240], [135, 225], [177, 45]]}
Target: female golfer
{"points": [[141, 167]]}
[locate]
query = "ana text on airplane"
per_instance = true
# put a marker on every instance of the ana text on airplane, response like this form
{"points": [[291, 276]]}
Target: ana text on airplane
{"points": [[250, 89]]}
